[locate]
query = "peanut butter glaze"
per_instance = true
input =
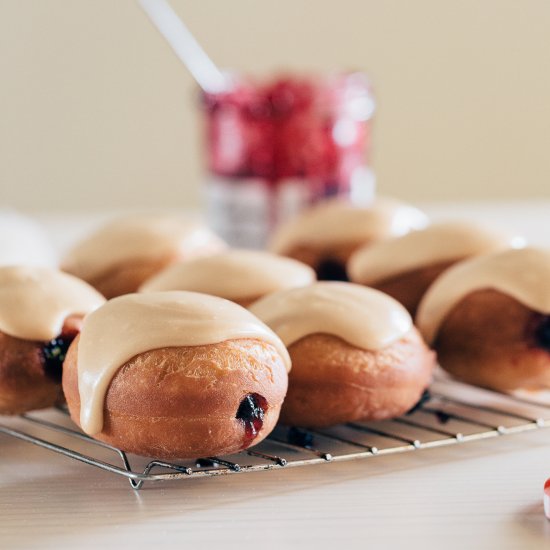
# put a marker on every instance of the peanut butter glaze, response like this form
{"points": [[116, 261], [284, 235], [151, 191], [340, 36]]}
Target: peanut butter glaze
{"points": [[234, 275], [35, 301], [522, 274], [139, 238], [361, 316], [441, 242], [336, 221], [135, 323]]}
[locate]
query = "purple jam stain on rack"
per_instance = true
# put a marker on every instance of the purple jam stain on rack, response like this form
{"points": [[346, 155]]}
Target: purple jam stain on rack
{"points": [[424, 398], [442, 417], [298, 437], [205, 463]]}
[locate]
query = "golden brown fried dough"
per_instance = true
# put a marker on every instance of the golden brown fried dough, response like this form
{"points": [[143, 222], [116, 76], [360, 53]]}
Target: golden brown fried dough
{"points": [[490, 339], [332, 381], [187, 402]]}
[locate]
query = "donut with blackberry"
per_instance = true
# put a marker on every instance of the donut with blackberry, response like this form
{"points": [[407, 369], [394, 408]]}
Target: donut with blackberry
{"points": [[41, 311], [175, 375]]}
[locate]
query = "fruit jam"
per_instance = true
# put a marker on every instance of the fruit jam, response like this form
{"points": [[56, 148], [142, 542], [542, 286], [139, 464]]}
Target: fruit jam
{"points": [[275, 147], [251, 413], [54, 353]]}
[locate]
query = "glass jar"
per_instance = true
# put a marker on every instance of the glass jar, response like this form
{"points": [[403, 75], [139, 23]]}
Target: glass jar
{"points": [[275, 147]]}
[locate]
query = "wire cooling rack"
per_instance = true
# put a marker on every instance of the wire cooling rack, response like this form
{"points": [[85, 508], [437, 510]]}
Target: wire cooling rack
{"points": [[451, 414]]}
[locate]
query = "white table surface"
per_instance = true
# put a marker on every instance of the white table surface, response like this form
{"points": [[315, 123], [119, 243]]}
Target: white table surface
{"points": [[486, 494]]}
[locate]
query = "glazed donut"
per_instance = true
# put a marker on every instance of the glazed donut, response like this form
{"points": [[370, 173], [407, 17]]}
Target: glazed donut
{"points": [[175, 375], [41, 311], [242, 276], [326, 235], [123, 254], [355, 353], [488, 318], [406, 266]]}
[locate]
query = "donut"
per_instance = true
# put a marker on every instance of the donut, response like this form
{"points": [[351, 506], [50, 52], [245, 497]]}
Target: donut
{"points": [[24, 242], [488, 318], [123, 254], [326, 235], [175, 375], [41, 312], [242, 276], [355, 353], [404, 267]]}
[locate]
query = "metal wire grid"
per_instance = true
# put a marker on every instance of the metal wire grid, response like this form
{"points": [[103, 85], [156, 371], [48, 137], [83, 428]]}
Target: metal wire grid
{"points": [[453, 414]]}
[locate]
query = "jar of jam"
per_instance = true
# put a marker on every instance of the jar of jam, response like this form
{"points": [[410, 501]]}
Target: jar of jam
{"points": [[274, 147]]}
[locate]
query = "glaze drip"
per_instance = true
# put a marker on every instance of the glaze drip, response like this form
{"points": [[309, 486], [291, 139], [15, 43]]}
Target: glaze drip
{"points": [[35, 301], [135, 323], [235, 274], [335, 221], [522, 274], [442, 242], [140, 238], [361, 316]]}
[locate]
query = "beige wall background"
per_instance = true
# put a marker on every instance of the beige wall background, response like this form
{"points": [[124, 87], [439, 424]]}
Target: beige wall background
{"points": [[96, 111]]}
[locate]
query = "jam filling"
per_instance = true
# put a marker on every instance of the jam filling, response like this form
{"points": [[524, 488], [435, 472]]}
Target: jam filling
{"points": [[331, 270], [54, 353], [542, 331], [251, 413]]}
